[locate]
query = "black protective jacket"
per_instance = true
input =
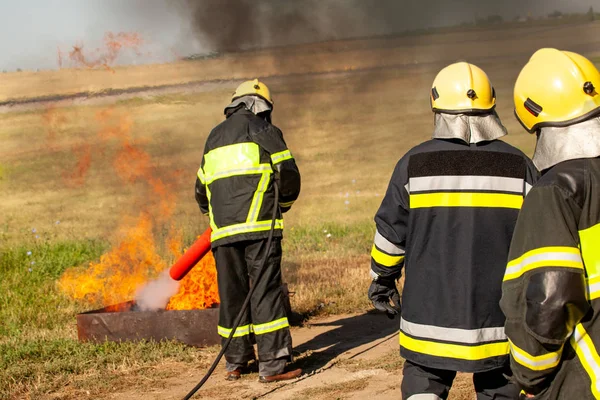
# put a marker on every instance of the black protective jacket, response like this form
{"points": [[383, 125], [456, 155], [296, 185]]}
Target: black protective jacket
{"points": [[448, 218], [243, 157], [551, 290]]}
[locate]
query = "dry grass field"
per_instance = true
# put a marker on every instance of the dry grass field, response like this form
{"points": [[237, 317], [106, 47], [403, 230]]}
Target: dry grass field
{"points": [[349, 110]]}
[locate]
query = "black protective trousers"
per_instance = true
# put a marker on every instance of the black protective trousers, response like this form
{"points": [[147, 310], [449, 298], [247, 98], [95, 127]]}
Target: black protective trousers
{"points": [[265, 322], [424, 383]]}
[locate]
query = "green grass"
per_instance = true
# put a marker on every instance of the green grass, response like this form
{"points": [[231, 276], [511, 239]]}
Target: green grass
{"points": [[346, 239], [30, 299]]}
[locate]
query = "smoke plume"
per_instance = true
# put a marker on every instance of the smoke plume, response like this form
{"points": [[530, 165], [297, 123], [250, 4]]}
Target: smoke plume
{"points": [[234, 25]]}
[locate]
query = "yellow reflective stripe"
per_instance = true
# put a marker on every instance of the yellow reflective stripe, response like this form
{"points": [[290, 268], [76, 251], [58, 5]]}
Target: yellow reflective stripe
{"points": [[554, 256], [461, 352], [272, 326], [239, 332], [281, 156], [588, 356], [535, 363], [287, 204], [234, 156], [237, 229], [384, 259], [211, 217], [201, 176], [261, 169], [450, 199], [258, 198], [590, 249], [593, 287]]}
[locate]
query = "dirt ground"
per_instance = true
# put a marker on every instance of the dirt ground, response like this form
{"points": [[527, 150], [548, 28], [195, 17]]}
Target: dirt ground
{"points": [[353, 356]]}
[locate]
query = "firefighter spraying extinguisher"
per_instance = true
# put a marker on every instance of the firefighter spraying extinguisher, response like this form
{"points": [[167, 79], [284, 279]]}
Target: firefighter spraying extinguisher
{"points": [[245, 162]]}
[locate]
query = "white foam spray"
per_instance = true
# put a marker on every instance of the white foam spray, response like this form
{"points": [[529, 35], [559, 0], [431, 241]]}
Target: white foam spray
{"points": [[155, 294]]}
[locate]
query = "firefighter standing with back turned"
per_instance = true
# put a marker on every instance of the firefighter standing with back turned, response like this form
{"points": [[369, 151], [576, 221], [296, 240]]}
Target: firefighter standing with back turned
{"points": [[448, 218], [243, 157], [551, 290]]}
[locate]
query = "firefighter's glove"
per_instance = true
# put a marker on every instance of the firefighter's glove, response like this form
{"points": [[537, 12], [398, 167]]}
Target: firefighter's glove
{"points": [[385, 296]]}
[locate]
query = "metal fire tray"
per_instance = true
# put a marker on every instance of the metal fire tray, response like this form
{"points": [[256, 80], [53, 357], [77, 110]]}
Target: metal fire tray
{"points": [[123, 322]]}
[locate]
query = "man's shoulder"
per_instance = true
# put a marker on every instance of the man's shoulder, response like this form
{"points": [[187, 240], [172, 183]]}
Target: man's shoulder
{"points": [[567, 176]]}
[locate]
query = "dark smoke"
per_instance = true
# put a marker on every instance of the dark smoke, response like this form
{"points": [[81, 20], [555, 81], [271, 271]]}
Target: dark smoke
{"points": [[233, 25]]}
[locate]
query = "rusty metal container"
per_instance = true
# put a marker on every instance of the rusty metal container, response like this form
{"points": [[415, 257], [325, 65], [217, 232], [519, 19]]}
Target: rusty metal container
{"points": [[123, 322]]}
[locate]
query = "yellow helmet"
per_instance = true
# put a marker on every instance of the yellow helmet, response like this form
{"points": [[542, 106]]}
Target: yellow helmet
{"points": [[462, 88], [253, 88], [556, 88]]}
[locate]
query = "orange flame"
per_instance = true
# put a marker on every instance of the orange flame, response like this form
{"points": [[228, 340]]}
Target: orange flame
{"points": [[120, 272], [137, 258], [198, 288]]}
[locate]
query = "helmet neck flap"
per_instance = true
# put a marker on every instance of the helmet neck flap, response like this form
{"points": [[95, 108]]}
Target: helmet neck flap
{"points": [[468, 128], [254, 104], [558, 144]]}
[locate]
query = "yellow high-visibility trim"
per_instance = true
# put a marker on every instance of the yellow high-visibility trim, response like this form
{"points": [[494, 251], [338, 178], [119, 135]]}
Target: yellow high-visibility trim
{"points": [[588, 356], [211, 217], [593, 287], [258, 198], [384, 259], [233, 160], [261, 169], [281, 156], [239, 155], [535, 363], [201, 176], [451, 199], [590, 249], [261, 329], [553, 256], [239, 332], [237, 229], [287, 204], [461, 352]]}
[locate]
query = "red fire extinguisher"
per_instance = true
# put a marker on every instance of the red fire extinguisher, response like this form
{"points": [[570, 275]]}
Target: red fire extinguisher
{"points": [[192, 256]]}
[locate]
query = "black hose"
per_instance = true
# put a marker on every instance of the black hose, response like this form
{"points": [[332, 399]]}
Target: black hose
{"points": [[242, 312]]}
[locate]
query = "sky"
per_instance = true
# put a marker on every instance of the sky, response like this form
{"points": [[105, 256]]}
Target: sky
{"points": [[32, 31]]}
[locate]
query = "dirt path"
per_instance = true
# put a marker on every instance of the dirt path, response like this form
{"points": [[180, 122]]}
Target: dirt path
{"points": [[343, 357]]}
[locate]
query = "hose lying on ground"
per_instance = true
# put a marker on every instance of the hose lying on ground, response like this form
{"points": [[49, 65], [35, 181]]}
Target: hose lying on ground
{"points": [[242, 312]]}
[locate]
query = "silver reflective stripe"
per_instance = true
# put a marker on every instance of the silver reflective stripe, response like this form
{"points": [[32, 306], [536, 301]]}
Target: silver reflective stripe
{"points": [[374, 275], [238, 171], [466, 182], [527, 188], [549, 256], [536, 363], [425, 396], [470, 336], [386, 245]]}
